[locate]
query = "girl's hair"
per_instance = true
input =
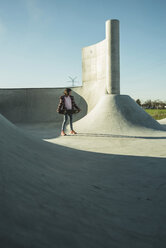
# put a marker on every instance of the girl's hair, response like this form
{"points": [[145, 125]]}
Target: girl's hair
{"points": [[66, 91]]}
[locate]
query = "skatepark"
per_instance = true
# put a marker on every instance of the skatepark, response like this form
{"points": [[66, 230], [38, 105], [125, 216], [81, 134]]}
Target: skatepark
{"points": [[103, 187]]}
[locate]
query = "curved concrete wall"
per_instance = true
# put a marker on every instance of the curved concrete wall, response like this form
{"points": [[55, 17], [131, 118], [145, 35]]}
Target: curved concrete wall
{"points": [[35, 105], [94, 62], [39, 105]]}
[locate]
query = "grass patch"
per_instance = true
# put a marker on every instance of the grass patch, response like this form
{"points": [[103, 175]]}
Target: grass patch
{"points": [[157, 114]]}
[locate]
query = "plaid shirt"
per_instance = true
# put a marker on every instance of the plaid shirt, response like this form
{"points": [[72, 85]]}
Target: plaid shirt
{"points": [[61, 106]]}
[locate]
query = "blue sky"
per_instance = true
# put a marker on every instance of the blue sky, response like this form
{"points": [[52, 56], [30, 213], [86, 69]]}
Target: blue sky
{"points": [[41, 42]]}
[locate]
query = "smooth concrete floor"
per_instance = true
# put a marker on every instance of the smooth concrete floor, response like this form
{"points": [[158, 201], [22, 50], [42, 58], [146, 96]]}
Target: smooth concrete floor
{"points": [[153, 145], [55, 196]]}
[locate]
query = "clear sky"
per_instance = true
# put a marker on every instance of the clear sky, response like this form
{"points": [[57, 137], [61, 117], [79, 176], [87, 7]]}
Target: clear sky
{"points": [[41, 42]]}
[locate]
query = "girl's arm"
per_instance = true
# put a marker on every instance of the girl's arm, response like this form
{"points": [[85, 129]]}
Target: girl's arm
{"points": [[75, 105], [60, 104]]}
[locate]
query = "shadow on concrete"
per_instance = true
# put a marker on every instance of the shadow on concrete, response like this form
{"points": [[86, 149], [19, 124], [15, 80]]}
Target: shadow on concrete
{"points": [[120, 136], [57, 196], [52, 131], [42, 130], [163, 125], [80, 198]]}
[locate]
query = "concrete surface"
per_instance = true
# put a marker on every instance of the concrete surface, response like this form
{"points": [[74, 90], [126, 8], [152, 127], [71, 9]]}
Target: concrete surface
{"points": [[55, 196], [149, 144]]}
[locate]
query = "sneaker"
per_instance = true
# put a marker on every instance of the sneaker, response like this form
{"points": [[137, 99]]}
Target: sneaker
{"points": [[63, 133], [73, 132]]}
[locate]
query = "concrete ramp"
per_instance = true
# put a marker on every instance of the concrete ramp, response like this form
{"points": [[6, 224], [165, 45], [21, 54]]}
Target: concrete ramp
{"points": [[117, 114]]}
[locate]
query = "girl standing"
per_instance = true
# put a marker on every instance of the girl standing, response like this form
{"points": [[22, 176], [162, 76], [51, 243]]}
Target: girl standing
{"points": [[68, 107]]}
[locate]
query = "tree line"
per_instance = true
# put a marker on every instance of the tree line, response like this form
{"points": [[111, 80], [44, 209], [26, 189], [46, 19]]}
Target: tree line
{"points": [[149, 104]]}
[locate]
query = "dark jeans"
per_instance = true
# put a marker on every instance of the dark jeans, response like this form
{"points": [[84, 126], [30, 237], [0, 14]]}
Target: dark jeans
{"points": [[65, 121]]}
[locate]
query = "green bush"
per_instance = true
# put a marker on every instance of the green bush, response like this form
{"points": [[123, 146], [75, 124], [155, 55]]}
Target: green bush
{"points": [[157, 114]]}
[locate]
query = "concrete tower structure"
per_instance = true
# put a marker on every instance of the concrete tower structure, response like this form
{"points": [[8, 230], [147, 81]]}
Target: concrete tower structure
{"points": [[112, 57], [101, 61], [112, 113]]}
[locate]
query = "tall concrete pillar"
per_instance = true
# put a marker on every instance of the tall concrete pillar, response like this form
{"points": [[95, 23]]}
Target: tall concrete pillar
{"points": [[112, 57]]}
